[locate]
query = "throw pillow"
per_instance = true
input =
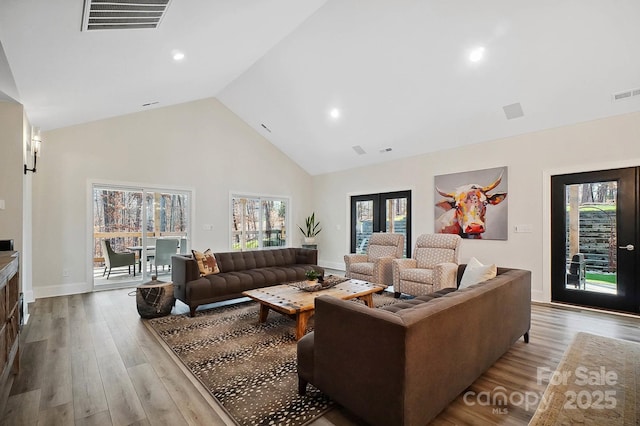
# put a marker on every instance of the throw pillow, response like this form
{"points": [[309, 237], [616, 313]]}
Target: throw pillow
{"points": [[207, 263], [476, 272]]}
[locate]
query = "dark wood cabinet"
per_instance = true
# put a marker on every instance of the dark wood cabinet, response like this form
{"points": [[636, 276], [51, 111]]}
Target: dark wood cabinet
{"points": [[9, 314]]}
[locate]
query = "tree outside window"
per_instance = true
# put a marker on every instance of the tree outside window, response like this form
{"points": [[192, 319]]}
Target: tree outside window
{"points": [[258, 222]]}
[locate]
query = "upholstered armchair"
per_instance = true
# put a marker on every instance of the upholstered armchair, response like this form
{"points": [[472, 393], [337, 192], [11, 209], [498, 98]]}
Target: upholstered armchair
{"points": [[434, 265], [116, 260], [375, 266]]}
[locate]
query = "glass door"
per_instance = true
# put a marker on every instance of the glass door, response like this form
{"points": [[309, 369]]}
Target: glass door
{"points": [[594, 239], [383, 212], [127, 225]]}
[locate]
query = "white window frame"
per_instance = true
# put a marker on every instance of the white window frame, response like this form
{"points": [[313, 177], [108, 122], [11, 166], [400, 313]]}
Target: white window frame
{"points": [[260, 198]]}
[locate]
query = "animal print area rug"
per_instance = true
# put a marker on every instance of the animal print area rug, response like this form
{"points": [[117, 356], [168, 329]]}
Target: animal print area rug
{"points": [[250, 368]]}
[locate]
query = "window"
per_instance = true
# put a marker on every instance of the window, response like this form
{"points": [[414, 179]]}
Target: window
{"points": [[258, 222]]}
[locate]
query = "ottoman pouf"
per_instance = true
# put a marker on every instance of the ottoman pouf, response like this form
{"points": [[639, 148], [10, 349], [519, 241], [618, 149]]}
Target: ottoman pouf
{"points": [[155, 298]]}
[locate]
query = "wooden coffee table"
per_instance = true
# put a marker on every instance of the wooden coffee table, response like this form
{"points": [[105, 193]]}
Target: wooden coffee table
{"points": [[299, 304]]}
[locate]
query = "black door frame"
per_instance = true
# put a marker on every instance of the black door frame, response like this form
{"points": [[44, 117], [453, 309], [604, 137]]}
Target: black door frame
{"points": [[379, 207], [627, 214]]}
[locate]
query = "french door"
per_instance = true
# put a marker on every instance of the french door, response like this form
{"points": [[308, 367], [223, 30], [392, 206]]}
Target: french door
{"points": [[383, 212], [594, 237]]}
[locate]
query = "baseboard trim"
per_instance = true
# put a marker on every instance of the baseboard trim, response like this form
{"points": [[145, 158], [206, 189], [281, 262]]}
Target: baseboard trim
{"points": [[331, 265], [539, 296], [61, 290]]}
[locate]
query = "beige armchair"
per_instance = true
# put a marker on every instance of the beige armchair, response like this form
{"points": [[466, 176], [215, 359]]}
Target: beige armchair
{"points": [[375, 266], [434, 265]]}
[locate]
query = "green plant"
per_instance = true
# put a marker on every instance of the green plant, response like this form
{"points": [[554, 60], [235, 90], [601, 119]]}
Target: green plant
{"points": [[312, 227], [312, 274]]}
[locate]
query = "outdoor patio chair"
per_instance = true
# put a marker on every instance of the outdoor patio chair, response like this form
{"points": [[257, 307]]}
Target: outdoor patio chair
{"points": [[434, 265], [116, 260], [165, 248], [375, 266], [577, 271]]}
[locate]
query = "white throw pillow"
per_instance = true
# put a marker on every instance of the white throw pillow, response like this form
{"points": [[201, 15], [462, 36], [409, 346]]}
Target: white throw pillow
{"points": [[476, 272]]}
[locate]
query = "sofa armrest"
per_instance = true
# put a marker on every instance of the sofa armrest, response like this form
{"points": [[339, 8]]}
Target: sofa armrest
{"points": [[357, 353], [445, 275], [183, 270], [306, 256]]}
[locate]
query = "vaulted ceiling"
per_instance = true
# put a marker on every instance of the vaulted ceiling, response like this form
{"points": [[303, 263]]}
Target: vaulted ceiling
{"points": [[335, 84]]}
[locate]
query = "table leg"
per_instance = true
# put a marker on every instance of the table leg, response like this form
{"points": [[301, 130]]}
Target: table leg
{"points": [[367, 299], [264, 311], [302, 318]]}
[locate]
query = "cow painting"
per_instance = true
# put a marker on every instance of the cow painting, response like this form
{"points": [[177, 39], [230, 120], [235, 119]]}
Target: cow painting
{"points": [[465, 209]]}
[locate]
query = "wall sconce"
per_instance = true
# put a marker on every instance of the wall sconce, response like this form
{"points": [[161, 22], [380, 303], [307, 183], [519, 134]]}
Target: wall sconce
{"points": [[35, 150]]}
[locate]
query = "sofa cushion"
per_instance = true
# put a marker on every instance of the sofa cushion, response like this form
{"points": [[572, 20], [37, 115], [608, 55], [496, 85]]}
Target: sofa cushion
{"points": [[207, 263], [418, 275], [476, 272], [418, 301]]}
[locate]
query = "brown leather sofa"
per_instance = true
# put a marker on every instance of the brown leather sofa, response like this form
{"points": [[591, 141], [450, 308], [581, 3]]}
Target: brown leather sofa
{"points": [[403, 364], [239, 271]]}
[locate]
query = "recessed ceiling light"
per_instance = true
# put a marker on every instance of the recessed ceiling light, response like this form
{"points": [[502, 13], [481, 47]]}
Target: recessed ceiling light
{"points": [[334, 113], [476, 54], [178, 56]]}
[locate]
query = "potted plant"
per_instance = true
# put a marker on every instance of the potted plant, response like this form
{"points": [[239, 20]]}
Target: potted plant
{"points": [[312, 230], [312, 276]]}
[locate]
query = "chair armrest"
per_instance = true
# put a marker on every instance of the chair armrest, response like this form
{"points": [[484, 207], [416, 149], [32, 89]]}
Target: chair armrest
{"points": [[397, 265], [405, 263], [445, 275], [353, 258], [383, 270]]}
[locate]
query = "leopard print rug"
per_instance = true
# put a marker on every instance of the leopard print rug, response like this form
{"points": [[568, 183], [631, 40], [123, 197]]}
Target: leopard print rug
{"points": [[250, 368]]}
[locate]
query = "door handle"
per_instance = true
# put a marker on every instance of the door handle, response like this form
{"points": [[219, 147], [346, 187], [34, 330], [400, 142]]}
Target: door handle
{"points": [[628, 247]]}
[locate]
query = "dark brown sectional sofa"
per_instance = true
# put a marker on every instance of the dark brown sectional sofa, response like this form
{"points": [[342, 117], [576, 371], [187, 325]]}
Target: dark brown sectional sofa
{"points": [[403, 364], [239, 271]]}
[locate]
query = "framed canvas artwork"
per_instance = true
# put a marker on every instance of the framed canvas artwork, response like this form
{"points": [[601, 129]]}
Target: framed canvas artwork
{"points": [[472, 204]]}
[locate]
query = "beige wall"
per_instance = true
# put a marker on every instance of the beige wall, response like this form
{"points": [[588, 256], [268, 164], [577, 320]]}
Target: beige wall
{"points": [[203, 146], [198, 145], [531, 159], [11, 175]]}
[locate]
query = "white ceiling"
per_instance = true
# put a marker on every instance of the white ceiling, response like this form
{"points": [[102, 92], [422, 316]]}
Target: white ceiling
{"points": [[397, 70]]}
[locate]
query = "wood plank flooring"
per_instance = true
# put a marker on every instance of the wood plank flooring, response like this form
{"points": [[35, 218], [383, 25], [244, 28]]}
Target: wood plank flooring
{"points": [[87, 359]]}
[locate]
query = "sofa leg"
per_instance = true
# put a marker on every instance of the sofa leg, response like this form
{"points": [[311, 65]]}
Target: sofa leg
{"points": [[192, 311], [396, 294], [526, 337], [302, 386]]}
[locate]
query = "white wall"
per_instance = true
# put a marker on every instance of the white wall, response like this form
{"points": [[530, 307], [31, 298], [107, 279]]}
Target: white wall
{"points": [[531, 159], [199, 145], [204, 146]]}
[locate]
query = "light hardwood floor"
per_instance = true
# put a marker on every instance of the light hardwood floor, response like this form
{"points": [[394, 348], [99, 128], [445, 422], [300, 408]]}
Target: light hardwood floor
{"points": [[88, 359]]}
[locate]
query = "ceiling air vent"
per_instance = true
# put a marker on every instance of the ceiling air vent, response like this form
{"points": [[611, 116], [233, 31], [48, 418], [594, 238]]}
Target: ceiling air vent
{"points": [[123, 14], [358, 149], [631, 93]]}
